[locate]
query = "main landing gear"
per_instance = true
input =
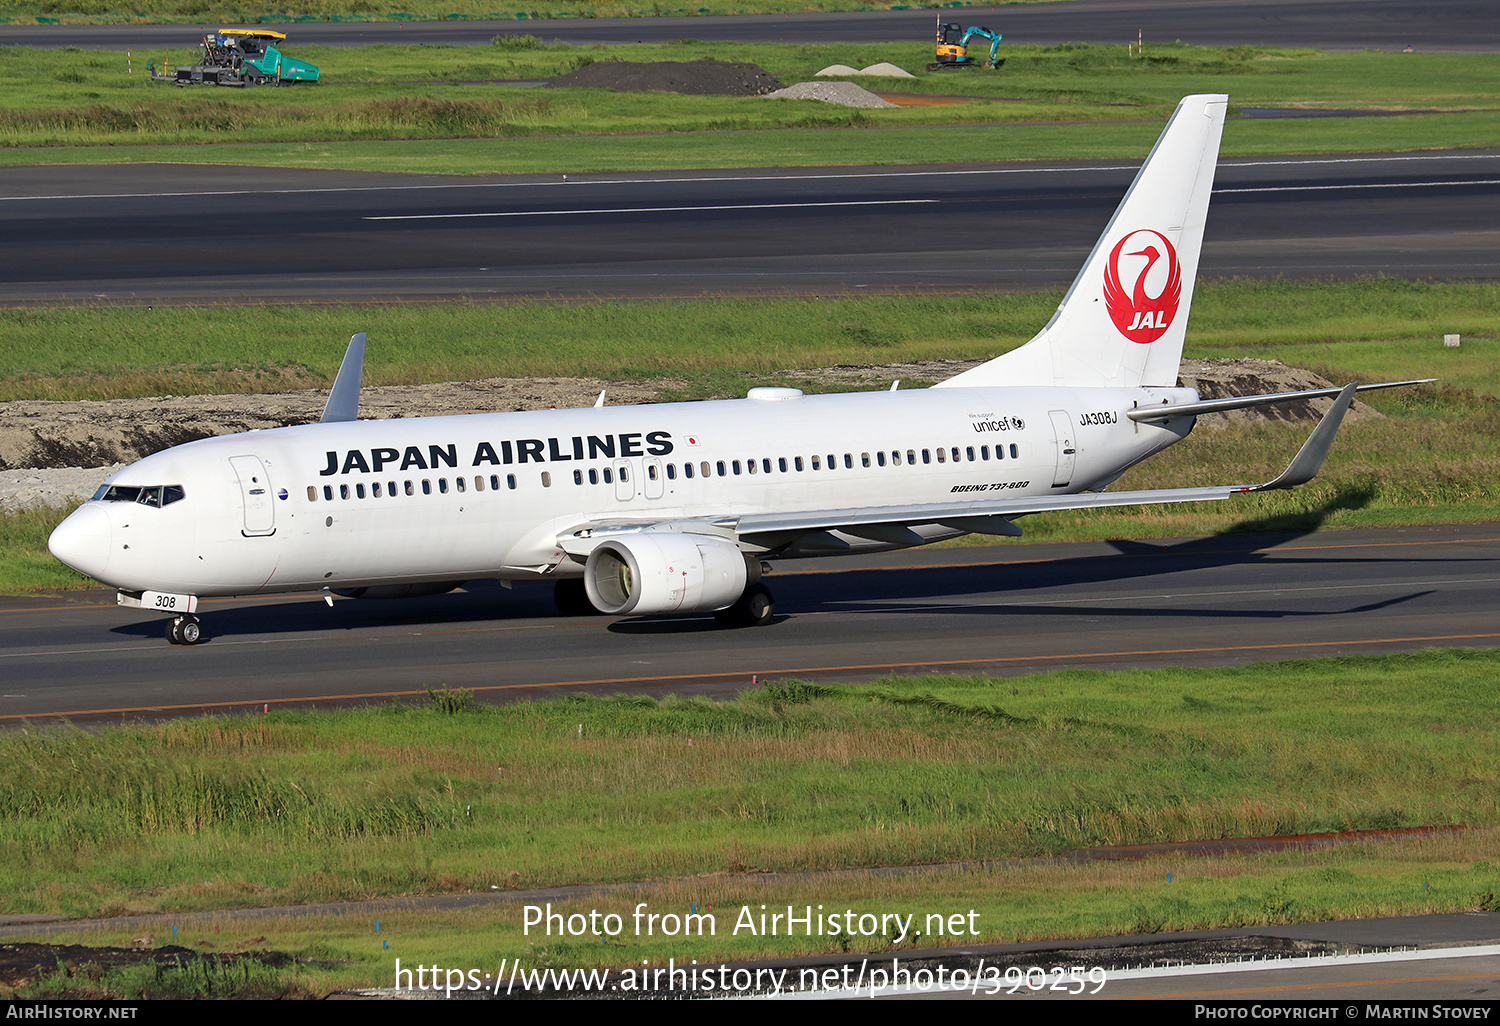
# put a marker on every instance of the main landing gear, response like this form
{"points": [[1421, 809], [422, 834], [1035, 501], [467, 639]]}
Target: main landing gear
{"points": [[755, 608], [184, 630]]}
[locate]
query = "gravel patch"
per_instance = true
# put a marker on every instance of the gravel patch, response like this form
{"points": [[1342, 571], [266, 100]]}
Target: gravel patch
{"points": [[692, 78], [845, 94], [59, 487]]}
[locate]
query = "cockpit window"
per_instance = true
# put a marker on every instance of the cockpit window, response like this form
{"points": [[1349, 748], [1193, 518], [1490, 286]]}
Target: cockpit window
{"points": [[150, 495]]}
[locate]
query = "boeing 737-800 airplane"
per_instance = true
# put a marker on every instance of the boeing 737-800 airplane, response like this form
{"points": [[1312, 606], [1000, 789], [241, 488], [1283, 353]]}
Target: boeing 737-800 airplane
{"points": [[677, 508]]}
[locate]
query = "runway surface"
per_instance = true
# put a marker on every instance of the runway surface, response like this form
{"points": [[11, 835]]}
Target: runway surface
{"points": [[1000, 610], [1467, 25], [136, 233]]}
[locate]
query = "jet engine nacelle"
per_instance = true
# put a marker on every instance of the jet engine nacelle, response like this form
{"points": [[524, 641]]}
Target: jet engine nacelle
{"points": [[665, 573]]}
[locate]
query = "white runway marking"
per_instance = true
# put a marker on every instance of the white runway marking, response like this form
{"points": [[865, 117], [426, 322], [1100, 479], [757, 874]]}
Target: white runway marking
{"points": [[648, 210]]}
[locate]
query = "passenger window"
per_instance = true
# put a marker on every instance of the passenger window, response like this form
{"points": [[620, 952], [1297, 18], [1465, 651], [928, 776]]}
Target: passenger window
{"points": [[736, 467], [495, 482], [328, 492], [312, 493], [391, 489], [653, 473], [546, 479], [479, 482], [955, 454], [705, 468], [409, 489], [797, 462], [751, 466], [510, 481], [375, 490], [942, 455], [593, 476], [609, 476], [1015, 452], [984, 452], [671, 472], [815, 465], [578, 477], [624, 473], [911, 457], [970, 451], [781, 463], [687, 471], [426, 486], [879, 458], [443, 485], [343, 491], [848, 461], [766, 465], [720, 465], [895, 457], [359, 491], [459, 482], [999, 452]]}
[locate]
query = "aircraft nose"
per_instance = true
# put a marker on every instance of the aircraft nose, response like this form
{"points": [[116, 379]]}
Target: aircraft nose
{"points": [[82, 540]]}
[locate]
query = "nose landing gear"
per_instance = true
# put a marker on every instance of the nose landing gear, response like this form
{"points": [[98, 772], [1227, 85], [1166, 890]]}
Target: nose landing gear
{"points": [[184, 630]]}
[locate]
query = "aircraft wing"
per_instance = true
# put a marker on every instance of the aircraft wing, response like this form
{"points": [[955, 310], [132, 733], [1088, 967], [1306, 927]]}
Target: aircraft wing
{"points": [[986, 515]]}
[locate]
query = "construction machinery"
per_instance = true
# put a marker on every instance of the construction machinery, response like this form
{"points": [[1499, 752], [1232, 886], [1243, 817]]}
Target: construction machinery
{"points": [[953, 47], [241, 57]]}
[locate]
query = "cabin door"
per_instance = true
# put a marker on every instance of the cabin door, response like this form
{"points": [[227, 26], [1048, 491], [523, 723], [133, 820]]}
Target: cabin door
{"points": [[1067, 449], [255, 495]]}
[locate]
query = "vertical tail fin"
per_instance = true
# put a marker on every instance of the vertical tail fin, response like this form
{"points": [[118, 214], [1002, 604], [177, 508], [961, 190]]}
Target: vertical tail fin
{"points": [[1124, 317]]}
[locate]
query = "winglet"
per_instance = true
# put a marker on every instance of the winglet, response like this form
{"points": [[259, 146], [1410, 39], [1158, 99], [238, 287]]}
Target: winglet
{"points": [[343, 401], [1309, 459]]}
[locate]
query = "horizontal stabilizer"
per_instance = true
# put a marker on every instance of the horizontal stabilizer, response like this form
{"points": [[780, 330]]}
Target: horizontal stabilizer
{"points": [[1241, 402]]}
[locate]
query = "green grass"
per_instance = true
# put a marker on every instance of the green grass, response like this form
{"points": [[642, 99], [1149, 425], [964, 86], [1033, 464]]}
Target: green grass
{"points": [[73, 106], [1379, 329], [298, 807], [1452, 873]]}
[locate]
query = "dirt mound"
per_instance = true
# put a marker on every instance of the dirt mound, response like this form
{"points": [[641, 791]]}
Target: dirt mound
{"points": [[694, 78], [1220, 379], [845, 94]]}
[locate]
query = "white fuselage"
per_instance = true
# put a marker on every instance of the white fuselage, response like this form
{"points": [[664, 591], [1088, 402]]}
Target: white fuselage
{"points": [[372, 503]]}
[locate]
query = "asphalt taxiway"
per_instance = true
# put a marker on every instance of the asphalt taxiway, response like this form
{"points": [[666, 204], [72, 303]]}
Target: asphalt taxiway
{"points": [[1001, 610], [135, 233], [1464, 25]]}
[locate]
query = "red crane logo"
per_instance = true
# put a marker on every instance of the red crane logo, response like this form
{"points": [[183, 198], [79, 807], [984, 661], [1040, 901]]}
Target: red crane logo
{"points": [[1140, 316]]}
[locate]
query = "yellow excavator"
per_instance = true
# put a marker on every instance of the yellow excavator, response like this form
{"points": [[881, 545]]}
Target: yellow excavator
{"points": [[953, 47]]}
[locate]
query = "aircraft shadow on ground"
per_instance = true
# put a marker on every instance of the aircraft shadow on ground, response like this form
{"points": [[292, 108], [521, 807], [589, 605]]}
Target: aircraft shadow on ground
{"points": [[488, 601]]}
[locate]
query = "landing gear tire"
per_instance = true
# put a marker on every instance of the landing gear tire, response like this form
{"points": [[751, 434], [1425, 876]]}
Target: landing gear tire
{"points": [[755, 608], [184, 630], [572, 598]]}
